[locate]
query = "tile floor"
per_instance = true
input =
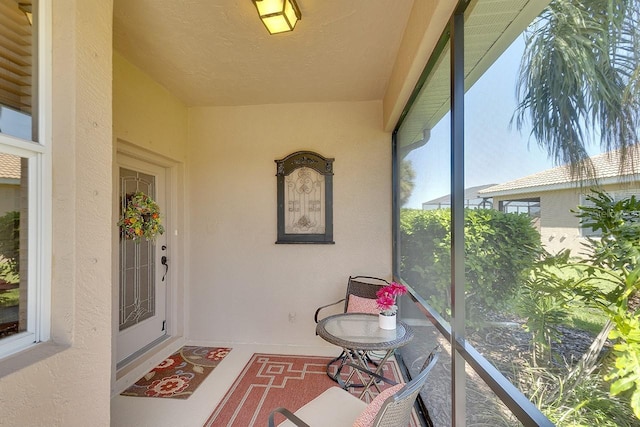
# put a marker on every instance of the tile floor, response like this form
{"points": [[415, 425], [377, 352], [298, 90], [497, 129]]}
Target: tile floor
{"points": [[127, 411]]}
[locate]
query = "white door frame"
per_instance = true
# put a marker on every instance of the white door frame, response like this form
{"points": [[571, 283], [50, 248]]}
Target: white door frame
{"points": [[174, 227]]}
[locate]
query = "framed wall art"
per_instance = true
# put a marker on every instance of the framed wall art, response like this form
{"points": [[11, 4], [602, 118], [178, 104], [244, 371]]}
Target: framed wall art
{"points": [[305, 198]]}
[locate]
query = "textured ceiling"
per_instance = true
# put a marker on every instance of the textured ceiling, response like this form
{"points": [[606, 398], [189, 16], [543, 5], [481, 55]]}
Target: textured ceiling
{"points": [[217, 52]]}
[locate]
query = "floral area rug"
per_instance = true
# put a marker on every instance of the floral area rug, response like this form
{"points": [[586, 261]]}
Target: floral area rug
{"points": [[180, 374], [271, 380]]}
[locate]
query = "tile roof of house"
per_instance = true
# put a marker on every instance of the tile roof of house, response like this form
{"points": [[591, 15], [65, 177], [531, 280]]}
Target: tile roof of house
{"points": [[607, 168], [9, 166], [469, 194]]}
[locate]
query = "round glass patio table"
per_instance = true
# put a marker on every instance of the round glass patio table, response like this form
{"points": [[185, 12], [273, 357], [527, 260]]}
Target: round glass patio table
{"points": [[359, 332]]}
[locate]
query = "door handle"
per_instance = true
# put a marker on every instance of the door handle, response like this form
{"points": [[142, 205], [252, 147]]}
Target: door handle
{"points": [[163, 261]]}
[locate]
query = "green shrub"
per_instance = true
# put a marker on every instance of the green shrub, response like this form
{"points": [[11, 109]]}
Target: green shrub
{"points": [[607, 280], [585, 404], [499, 252], [10, 298], [10, 236], [544, 302], [616, 257]]}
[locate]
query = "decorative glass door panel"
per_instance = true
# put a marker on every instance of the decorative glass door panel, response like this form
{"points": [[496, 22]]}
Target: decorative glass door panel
{"points": [[142, 283], [137, 258]]}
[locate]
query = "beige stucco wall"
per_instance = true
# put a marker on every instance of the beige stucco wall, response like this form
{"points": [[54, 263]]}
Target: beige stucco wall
{"points": [[426, 23], [559, 227], [151, 124], [145, 114], [243, 286], [65, 382], [9, 197]]}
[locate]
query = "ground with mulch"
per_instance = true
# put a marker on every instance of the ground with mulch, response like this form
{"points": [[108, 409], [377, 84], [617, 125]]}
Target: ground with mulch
{"points": [[7, 329], [506, 344]]}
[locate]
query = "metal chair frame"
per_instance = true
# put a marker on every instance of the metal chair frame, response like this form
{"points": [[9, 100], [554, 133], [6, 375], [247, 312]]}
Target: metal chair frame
{"points": [[361, 286], [396, 409], [364, 287]]}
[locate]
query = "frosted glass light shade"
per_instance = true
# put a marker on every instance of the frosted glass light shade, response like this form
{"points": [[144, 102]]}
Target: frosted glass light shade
{"points": [[278, 16]]}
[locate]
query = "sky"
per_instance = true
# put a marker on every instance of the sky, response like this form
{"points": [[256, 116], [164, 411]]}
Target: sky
{"points": [[495, 152]]}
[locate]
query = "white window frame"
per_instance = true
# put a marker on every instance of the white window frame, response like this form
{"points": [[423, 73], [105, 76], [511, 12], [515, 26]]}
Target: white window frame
{"points": [[39, 199]]}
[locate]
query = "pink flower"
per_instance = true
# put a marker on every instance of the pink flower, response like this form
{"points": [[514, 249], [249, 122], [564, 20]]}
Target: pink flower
{"points": [[397, 289], [386, 302], [387, 297]]}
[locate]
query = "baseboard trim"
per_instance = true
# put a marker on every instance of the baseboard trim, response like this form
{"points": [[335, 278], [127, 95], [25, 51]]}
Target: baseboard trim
{"points": [[133, 368]]}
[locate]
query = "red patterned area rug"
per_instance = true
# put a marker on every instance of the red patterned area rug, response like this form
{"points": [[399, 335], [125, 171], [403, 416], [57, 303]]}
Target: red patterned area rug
{"points": [[180, 374], [271, 380]]}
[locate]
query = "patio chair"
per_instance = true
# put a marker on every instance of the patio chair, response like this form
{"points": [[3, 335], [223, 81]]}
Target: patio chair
{"points": [[360, 298], [336, 407]]}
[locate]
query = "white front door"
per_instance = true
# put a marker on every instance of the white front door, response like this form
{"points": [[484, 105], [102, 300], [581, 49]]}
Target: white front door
{"points": [[142, 264]]}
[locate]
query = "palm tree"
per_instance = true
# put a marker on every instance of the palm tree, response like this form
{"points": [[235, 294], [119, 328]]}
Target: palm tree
{"points": [[407, 181], [579, 80]]}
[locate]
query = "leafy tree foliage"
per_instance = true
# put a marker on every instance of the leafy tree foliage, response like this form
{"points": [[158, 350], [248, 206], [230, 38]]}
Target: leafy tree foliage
{"points": [[580, 78], [616, 256], [407, 181], [544, 303], [612, 259]]}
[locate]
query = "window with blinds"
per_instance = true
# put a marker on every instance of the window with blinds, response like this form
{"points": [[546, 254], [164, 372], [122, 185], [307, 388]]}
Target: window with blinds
{"points": [[17, 68]]}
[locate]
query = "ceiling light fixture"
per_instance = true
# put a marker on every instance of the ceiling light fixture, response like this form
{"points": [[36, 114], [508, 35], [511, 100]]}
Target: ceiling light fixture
{"points": [[278, 16], [26, 9]]}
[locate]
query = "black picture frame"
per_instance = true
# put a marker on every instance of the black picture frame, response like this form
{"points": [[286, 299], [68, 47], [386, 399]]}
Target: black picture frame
{"points": [[294, 224]]}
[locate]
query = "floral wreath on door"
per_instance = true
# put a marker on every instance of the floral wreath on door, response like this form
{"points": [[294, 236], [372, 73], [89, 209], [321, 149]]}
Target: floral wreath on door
{"points": [[141, 218]]}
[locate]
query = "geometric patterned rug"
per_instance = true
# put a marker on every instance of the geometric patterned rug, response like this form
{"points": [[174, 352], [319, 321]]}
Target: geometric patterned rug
{"points": [[271, 380], [180, 374]]}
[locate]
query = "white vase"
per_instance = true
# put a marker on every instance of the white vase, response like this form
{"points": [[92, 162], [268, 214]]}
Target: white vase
{"points": [[387, 321]]}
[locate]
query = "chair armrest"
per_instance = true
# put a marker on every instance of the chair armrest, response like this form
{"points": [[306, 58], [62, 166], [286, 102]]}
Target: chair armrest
{"points": [[288, 414], [315, 316], [371, 373]]}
